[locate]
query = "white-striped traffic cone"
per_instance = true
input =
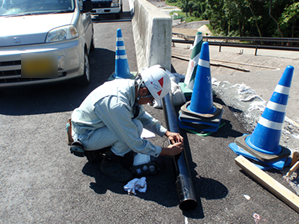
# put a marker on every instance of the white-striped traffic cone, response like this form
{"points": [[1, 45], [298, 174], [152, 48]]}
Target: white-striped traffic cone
{"points": [[122, 69], [201, 113], [193, 62], [188, 84], [264, 141]]}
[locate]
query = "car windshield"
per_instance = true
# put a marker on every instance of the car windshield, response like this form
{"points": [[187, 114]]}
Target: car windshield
{"points": [[32, 7]]}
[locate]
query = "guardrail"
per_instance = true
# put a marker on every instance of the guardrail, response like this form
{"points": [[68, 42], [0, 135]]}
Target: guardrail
{"points": [[226, 43]]}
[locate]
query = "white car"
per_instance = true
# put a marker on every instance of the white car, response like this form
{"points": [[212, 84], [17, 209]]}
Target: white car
{"points": [[104, 7], [45, 41]]}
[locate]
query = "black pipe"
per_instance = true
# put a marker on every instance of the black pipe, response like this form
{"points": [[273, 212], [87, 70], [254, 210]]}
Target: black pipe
{"points": [[184, 182]]}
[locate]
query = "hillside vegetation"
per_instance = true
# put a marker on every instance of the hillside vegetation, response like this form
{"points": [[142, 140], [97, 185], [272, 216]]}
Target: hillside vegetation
{"points": [[255, 18]]}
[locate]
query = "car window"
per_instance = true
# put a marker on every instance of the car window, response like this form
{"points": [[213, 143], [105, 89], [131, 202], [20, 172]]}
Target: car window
{"points": [[31, 7]]}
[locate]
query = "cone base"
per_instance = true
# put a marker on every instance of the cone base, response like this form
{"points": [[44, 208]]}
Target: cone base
{"points": [[217, 107], [189, 118], [240, 141], [114, 76], [198, 125], [279, 164]]}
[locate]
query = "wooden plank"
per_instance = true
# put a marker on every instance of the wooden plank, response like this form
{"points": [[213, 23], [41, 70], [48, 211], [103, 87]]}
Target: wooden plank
{"points": [[293, 168], [268, 182], [295, 158]]}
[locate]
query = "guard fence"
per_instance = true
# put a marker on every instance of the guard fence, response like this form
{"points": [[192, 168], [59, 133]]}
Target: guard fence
{"points": [[270, 43]]}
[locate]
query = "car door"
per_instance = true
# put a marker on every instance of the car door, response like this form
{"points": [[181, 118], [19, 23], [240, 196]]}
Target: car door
{"points": [[87, 26]]}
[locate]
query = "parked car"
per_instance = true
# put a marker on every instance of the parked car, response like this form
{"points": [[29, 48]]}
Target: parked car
{"points": [[104, 7], [44, 41]]}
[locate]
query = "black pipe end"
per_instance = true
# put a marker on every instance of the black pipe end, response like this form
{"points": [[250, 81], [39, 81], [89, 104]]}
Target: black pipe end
{"points": [[185, 192], [188, 204]]}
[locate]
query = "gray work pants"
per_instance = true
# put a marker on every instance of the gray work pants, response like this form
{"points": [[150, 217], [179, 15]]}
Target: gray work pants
{"points": [[103, 137]]}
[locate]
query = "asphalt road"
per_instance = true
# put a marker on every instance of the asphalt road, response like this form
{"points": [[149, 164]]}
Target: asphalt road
{"points": [[41, 182]]}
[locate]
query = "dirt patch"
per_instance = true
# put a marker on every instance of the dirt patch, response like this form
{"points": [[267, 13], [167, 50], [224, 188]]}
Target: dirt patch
{"points": [[205, 30], [186, 32], [192, 32]]}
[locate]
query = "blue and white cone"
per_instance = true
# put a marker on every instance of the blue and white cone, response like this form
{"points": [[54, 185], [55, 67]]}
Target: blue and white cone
{"points": [[263, 144], [201, 114], [122, 69]]}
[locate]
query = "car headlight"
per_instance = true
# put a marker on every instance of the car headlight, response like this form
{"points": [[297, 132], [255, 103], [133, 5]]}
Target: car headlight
{"points": [[62, 33], [115, 3]]}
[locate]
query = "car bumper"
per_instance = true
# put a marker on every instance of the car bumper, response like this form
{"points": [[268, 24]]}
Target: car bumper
{"points": [[102, 11], [70, 62]]}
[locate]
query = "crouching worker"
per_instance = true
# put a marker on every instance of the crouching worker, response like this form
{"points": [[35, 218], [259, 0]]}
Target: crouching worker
{"points": [[112, 115]]}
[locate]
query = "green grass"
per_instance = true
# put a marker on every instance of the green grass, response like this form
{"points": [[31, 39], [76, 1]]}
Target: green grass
{"points": [[185, 18]]}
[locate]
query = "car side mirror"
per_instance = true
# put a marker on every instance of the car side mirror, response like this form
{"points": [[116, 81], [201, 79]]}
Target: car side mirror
{"points": [[87, 6]]}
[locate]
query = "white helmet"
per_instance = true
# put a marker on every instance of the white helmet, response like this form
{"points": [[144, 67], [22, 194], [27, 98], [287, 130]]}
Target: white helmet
{"points": [[157, 81]]}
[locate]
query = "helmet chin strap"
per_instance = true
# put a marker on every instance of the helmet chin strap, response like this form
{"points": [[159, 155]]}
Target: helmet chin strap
{"points": [[138, 96], [136, 105], [138, 88], [140, 84]]}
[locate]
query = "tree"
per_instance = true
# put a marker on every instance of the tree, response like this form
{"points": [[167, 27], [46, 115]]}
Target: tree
{"points": [[261, 18], [185, 6], [270, 14], [288, 20]]}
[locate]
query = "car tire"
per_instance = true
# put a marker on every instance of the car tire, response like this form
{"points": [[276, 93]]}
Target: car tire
{"points": [[85, 78], [92, 44], [118, 15]]}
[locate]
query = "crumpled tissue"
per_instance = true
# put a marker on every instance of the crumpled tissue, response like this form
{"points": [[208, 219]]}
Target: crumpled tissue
{"points": [[136, 184]]}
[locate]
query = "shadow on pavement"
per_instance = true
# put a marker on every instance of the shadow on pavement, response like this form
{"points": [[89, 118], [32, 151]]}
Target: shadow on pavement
{"points": [[56, 97], [160, 187], [210, 190], [204, 187]]}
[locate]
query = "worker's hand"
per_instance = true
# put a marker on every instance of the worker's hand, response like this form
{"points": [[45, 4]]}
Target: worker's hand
{"points": [[174, 137], [173, 149]]}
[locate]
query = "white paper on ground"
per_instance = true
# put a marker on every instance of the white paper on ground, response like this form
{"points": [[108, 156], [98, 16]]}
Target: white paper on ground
{"points": [[147, 134]]}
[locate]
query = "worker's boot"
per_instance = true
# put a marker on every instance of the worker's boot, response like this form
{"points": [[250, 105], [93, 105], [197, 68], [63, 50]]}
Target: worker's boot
{"points": [[112, 167], [95, 156]]}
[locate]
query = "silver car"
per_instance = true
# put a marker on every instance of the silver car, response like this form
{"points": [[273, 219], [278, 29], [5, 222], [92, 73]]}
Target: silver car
{"points": [[45, 41]]}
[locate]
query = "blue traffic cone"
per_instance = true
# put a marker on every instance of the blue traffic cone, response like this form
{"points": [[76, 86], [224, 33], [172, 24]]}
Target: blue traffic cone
{"points": [[201, 113], [202, 96], [278, 164], [266, 135], [122, 69], [264, 141]]}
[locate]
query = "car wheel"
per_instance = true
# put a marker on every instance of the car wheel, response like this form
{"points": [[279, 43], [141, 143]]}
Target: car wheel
{"points": [[118, 15], [92, 44], [85, 78]]}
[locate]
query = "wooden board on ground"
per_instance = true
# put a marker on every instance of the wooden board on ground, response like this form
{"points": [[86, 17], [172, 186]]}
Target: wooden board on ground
{"points": [[268, 182]]}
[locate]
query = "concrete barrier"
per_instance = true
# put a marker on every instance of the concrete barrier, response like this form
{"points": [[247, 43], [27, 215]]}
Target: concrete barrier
{"points": [[152, 32]]}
